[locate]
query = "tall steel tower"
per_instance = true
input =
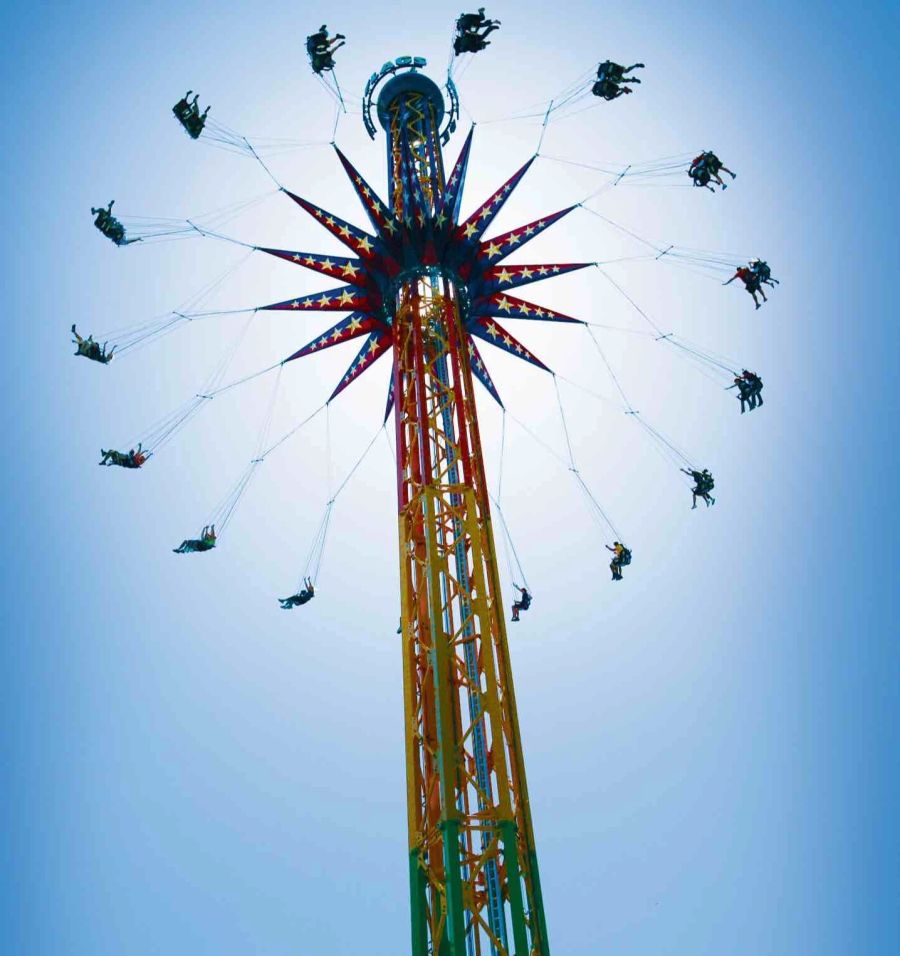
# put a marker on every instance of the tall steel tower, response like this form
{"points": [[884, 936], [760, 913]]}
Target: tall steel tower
{"points": [[472, 863]]}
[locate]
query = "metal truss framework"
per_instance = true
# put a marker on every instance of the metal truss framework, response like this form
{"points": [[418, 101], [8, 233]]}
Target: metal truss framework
{"points": [[474, 884]]}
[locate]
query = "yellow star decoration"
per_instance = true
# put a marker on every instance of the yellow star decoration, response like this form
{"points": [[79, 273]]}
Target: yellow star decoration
{"points": [[335, 335], [525, 271], [493, 250], [529, 230], [349, 269], [526, 308], [346, 297], [504, 276], [366, 191], [513, 238], [329, 221], [440, 219], [519, 348], [327, 264], [309, 261], [492, 330], [295, 304], [364, 244], [373, 345], [389, 225], [485, 212], [324, 301], [354, 324], [504, 304], [543, 271], [540, 313], [295, 257], [319, 213], [470, 230], [508, 340], [344, 231]]}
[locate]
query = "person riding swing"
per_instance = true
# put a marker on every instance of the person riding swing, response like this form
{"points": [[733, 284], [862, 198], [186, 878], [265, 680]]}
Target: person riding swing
{"points": [[92, 350], [703, 485], [763, 272], [183, 107], [621, 558], [745, 393], [133, 459], [751, 283], [307, 593], [206, 542], [522, 603], [755, 383]]}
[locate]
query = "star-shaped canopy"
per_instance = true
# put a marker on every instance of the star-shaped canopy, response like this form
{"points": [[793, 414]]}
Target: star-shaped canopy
{"points": [[426, 239]]}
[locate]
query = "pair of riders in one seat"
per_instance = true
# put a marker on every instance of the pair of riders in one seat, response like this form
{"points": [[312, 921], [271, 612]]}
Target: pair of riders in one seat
{"points": [[188, 114], [706, 167], [107, 223], [320, 49], [749, 386], [612, 80], [472, 30], [703, 485], [754, 276], [91, 349]]}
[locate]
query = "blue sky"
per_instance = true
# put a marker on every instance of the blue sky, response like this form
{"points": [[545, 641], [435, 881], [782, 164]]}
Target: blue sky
{"points": [[711, 746]]}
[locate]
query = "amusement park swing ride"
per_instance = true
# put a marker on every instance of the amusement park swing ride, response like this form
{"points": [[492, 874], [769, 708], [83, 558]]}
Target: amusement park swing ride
{"points": [[429, 288]]}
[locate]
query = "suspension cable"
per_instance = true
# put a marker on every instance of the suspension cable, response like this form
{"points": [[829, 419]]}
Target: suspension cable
{"points": [[313, 565], [719, 363], [161, 432], [130, 339], [609, 369], [509, 546], [223, 514], [562, 417]]}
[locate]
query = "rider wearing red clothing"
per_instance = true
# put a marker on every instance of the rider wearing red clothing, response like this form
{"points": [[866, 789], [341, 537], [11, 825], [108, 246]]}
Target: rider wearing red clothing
{"points": [[751, 282]]}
